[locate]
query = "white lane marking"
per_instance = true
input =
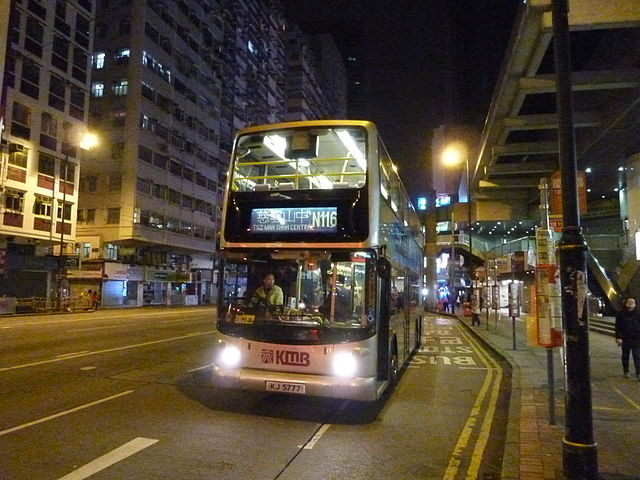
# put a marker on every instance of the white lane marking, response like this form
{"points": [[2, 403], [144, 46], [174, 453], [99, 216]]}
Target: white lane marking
{"points": [[114, 456], [311, 443], [88, 368], [174, 321], [65, 412], [100, 328], [92, 317], [107, 350], [199, 368], [71, 354]]}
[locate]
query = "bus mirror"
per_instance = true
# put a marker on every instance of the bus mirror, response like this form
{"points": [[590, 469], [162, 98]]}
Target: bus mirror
{"points": [[384, 268], [301, 145]]}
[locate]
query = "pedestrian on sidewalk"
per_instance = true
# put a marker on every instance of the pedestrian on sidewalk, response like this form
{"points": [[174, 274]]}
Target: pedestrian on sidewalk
{"points": [[94, 300], [475, 309], [628, 335]]}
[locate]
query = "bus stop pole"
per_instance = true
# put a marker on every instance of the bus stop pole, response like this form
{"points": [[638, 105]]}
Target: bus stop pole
{"points": [[579, 450], [544, 218]]}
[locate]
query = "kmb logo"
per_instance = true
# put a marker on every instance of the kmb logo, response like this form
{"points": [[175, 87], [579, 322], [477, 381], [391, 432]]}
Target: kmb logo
{"points": [[285, 357]]}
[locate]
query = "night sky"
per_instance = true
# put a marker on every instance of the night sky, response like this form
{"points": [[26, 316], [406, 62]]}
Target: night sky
{"points": [[426, 62]]}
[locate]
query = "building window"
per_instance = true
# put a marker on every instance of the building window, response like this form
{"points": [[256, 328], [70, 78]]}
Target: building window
{"points": [[49, 125], [13, 201], [80, 61], [174, 197], [76, 109], [80, 215], [97, 89], [21, 114], [18, 155], [122, 55], [42, 205], [119, 118], [20, 126], [30, 84], [143, 185], [92, 183], [159, 191], [148, 92], [57, 92], [86, 249], [70, 174], [67, 211], [60, 53], [83, 30], [115, 182], [113, 215], [33, 39], [145, 154], [120, 87], [46, 164], [91, 216], [97, 60], [112, 251]]}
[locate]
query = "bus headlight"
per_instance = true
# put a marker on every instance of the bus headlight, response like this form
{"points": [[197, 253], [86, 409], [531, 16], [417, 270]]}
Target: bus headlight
{"points": [[230, 356], [344, 364]]}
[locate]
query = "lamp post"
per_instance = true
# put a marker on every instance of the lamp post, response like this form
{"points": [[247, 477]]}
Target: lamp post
{"points": [[87, 142], [452, 156]]}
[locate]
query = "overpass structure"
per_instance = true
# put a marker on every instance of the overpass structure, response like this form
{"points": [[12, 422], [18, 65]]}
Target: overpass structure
{"points": [[519, 146]]}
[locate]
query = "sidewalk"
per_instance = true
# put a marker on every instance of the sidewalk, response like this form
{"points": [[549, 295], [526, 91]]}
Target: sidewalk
{"points": [[533, 448]]}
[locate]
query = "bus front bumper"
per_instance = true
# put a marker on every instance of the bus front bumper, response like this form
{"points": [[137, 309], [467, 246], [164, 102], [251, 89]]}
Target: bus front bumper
{"points": [[362, 389]]}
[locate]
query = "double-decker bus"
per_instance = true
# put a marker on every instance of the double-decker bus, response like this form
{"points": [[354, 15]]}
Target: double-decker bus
{"points": [[316, 207]]}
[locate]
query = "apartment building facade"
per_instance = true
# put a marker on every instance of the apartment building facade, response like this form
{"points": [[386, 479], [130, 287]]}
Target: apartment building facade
{"points": [[167, 83], [44, 112], [148, 217]]}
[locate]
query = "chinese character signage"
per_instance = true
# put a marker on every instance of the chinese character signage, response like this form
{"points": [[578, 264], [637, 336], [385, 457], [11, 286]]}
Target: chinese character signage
{"points": [[422, 203], [297, 219]]}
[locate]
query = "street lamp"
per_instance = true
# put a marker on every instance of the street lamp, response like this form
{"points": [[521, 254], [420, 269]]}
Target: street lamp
{"points": [[87, 142], [452, 156]]}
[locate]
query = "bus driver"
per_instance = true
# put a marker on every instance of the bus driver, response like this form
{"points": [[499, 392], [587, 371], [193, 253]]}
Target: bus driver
{"points": [[269, 294]]}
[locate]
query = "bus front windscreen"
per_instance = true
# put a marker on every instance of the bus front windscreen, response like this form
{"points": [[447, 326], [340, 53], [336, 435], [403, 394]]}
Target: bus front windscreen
{"points": [[318, 291], [300, 159]]}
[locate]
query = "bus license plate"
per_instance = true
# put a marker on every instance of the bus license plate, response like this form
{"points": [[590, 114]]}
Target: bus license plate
{"points": [[285, 387]]}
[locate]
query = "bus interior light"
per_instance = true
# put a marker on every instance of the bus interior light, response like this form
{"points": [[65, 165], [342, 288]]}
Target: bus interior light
{"points": [[348, 142]]}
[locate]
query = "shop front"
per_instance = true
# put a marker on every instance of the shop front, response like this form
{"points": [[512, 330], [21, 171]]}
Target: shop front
{"points": [[122, 285], [165, 286]]}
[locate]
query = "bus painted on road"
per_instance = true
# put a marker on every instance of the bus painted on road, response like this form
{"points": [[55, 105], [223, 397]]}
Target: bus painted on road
{"points": [[317, 208]]}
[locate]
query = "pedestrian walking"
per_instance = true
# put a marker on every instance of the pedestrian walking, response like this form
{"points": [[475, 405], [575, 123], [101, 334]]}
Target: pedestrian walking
{"points": [[94, 300], [475, 310], [628, 335]]}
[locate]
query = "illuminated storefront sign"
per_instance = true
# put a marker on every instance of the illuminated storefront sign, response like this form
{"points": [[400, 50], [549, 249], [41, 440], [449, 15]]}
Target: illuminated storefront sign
{"points": [[442, 199], [422, 203], [297, 219]]}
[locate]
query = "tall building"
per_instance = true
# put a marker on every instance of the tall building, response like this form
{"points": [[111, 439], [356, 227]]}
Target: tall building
{"points": [[148, 218], [44, 112], [252, 65], [316, 77]]}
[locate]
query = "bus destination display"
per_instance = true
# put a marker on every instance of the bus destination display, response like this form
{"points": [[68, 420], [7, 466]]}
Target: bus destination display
{"points": [[296, 219]]}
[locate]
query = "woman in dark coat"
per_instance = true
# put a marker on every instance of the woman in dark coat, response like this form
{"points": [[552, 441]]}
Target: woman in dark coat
{"points": [[628, 335]]}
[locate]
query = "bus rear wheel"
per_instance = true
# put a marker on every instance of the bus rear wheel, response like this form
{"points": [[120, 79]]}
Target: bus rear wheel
{"points": [[393, 366]]}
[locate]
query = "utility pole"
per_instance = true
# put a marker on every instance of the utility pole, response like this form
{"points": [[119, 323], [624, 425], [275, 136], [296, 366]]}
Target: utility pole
{"points": [[579, 450]]}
